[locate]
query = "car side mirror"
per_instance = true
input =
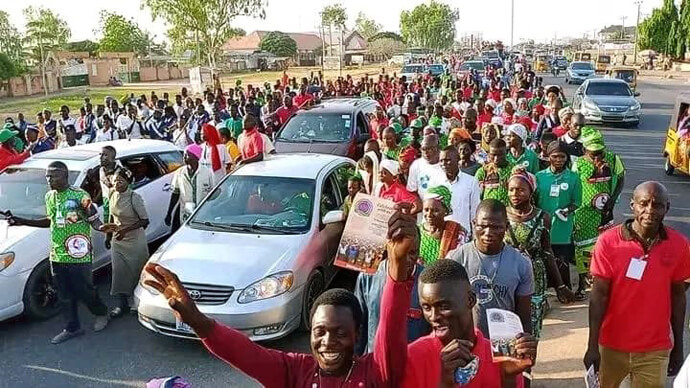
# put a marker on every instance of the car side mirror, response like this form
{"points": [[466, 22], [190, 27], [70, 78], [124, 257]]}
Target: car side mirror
{"points": [[636, 94], [333, 216]]}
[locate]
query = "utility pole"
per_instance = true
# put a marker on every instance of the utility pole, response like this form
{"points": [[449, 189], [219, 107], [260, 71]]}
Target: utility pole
{"points": [[43, 61], [623, 27], [637, 31], [512, 22]]}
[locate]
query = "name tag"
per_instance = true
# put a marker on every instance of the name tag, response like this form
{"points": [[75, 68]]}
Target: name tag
{"points": [[60, 219], [555, 190], [636, 268]]}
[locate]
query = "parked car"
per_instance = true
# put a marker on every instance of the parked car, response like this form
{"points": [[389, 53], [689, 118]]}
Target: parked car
{"points": [[605, 100], [336, 127], [258, 250], [411, 71], [436, 69], [468, 66], [579, 72], [25, 280]]}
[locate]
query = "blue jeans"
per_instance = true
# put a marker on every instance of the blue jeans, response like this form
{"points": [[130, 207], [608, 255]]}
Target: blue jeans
{"points": [[74, 282]]}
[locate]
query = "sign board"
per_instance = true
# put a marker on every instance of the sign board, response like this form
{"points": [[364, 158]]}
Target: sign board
{"points": [[357, 59], [331, 63], [80, 69], [200, 78]]}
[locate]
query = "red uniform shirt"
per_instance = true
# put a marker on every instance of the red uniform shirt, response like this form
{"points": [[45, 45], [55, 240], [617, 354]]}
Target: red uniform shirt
{"points": [[374, 127], [251, 144], [483, 119], [639, 311], [559, 131], [397, 193], [284, 113], [300, 100]]}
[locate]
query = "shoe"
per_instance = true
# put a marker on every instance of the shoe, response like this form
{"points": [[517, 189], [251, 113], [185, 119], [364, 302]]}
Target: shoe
{"points": [[66, 335], [100, 323], [119, 312]]}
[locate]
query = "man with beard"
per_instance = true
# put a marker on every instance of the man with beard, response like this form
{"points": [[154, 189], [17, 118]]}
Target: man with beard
{"points": [[335, 319]]}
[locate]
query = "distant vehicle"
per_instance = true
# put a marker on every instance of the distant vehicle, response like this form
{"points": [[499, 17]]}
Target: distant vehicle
{"points": [[561, 63], [579, 72], [436, 69], [467, 66], [411, 71], [604, 100], [258, 250], [334, 127], [677, 141], [603, 62], [582, 57]]}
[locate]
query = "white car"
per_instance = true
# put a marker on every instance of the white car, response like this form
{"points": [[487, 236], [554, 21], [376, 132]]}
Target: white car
{"points": [[258, 250], [25, 280]]}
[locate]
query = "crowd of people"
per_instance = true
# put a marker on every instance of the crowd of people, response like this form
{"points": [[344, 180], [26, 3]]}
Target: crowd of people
{"points": [[500, 187]]}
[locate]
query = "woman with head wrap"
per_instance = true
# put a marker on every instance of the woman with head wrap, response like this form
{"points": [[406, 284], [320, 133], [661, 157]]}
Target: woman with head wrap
{"points": [[528, 231], [602, 175], [564, 115], [508, 111], [438, 236], [522, 108], [489, 133], [389, 187], [129, 249], [190, 184], [518, 153], [368, 169], [214, 155]]}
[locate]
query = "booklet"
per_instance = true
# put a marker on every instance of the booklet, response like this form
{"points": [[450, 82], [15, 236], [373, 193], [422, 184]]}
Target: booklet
{"points": [[504, 326], [591, 378], [365, 235]]}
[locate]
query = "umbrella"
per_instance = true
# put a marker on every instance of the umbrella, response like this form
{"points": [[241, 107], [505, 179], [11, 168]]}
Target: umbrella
{"points": [[648, 53]]}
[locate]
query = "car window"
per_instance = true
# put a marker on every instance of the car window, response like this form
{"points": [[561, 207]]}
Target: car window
{"points": [[23, 191], [329, 196], [608, 89], [310, 127], [582, 66], [171, 161], [362, 126], [342, 174], [252, 202], [144, 169]]}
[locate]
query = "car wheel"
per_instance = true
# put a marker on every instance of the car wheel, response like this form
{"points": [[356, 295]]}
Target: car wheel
{"points": [[40, 293], [668, 168], [315, 286]]}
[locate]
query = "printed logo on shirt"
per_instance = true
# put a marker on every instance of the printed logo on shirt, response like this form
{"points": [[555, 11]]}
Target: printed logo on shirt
{"points": [[485, 291], [77, 246], [424, 181]]}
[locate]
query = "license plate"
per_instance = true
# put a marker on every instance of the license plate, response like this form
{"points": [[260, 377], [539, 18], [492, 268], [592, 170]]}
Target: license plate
{"points": [[181, 326]]}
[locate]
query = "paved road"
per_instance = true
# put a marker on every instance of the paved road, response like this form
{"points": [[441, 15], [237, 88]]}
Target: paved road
{"points": [[127, 355]]}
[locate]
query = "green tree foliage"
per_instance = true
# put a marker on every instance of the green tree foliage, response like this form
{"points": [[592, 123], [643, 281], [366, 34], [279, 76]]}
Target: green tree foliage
{"points": [[279, 44], [365, 26], [333, 15], [387, 35], [45, 32], [7, 67], [655, 31], [88, 46], [429, 25], [683, 37], [121, 34], [386, 47], [204, 22], [11, 41]]}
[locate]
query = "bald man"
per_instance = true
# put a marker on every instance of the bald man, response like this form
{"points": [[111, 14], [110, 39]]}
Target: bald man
{"points": [[427, 169], [637, 303]]}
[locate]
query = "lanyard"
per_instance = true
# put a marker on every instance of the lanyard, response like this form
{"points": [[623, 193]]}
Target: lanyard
{"points": [[481, 267]]}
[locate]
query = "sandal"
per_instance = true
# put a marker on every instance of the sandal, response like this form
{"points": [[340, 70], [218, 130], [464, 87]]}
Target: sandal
{"points": [[580, 296], [119, 312]]}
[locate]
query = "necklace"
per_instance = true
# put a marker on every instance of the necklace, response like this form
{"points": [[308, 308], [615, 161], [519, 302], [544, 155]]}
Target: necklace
{"points": [[521, 215], [317, 375]]}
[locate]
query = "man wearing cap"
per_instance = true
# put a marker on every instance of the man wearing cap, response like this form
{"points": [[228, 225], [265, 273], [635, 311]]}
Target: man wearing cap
{"points": [[389, 187], [559, 193], [190, 184], [519, 155], [8, 153], [602, 176], [37, 144]]}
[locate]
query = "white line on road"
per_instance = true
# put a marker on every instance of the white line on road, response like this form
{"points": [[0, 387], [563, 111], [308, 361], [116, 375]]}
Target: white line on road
{"points": [[134, 384]]}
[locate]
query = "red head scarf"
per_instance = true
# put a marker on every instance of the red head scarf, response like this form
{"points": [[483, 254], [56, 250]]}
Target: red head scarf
{"points": [[213, 140]]}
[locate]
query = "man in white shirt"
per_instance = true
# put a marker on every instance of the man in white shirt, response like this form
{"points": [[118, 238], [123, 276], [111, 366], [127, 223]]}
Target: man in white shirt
{"points": [[129, 124], [190, 184], [426, 170], [108, 132], [464, 188]]}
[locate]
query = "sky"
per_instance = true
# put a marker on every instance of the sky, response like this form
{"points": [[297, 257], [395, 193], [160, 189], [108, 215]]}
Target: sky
{"points": [[541, 20]]}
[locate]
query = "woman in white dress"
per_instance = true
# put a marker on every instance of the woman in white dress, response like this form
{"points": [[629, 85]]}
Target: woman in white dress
{"points": [[214, 155]]}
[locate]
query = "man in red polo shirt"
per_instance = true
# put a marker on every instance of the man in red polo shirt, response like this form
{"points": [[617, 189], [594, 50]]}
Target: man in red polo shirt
{"points": [[389, 187], [284, 112], [377, 122], [637, 304], [250, 142], [302, 98]]}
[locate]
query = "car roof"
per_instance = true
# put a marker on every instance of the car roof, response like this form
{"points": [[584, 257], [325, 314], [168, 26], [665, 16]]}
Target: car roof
{"points": [[337, 105], [576, 62], [297, 165], [606, 81], [85, 156]]}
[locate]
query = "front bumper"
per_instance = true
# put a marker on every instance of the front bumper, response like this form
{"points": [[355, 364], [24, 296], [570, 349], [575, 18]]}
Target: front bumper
{"points": [[12, 294], [263, 320], [598, 116]]}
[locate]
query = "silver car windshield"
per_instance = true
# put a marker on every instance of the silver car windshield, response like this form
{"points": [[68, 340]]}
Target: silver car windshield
{"points": [[582, 66], [23, 191], [258, 204], [308, 127], [608, 89]]}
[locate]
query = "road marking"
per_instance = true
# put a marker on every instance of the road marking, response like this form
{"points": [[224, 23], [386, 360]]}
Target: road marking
{"points": [[89, 378]]}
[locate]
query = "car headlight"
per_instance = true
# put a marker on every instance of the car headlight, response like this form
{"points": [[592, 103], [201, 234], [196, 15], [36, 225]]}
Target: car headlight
{"points": [[635, 107], [590, 105], [268, 287], [6, 259]]}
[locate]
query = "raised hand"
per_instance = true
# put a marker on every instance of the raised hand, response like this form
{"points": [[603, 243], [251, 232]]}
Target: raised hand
{"points": [[457, 354], [402, 233]]}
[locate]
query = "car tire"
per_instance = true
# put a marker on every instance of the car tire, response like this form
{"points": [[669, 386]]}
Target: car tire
{"points": [[314, 287], [40, 293], [668, 168]]}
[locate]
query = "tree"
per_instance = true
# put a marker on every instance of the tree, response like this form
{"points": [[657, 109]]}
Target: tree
{"points": [[333, 15], [279, 44], [206, 22], [88, 46], [655, 31], [45, 31], [684, 25], [385, 47], [11, 41], [7, 67], [121, 34], [366, 27], [429, 25], [387, 35]]}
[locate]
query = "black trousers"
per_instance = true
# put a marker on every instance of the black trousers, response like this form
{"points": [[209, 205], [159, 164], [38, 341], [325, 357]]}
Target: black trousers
{"points": [[74, 283]]}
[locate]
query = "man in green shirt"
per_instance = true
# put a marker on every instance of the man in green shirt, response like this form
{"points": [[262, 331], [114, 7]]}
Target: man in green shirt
{"points": [[559, 193], [519, 155], [234, 123], [493, 176], [70, 216]]}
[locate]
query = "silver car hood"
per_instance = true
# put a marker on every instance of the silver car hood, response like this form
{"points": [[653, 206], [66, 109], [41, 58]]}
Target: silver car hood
{"points": [[625, 101], [229, 259]]}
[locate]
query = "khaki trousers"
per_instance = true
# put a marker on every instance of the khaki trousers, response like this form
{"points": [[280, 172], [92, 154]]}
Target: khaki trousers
{"points": [[646, 370]]}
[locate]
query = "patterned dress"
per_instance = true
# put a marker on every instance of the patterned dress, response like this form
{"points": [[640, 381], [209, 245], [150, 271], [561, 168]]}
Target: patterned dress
{"points": [[526, 236]]}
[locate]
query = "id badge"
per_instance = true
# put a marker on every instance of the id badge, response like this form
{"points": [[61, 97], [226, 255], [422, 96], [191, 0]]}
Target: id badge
{"points": [[60, 220], [636, 268], [555, 190]]}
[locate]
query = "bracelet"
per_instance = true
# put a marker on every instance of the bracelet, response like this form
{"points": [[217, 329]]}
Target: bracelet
{"points": [[562, 286]]}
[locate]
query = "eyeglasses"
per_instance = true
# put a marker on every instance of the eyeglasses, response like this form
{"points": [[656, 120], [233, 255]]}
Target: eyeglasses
{"points": [[483, 227]]}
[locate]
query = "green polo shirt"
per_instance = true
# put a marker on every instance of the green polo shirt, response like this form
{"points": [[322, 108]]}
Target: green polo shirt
{"points": [[558, 191], [529, 160]]}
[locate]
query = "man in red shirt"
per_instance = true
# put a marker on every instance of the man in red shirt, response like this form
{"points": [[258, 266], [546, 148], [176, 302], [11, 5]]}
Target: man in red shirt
{"points": [[335, 320], [302, 98], [250, 142], [447, 300], [284, 112], [8, 155], [390, 187], [377, 122], [637, 304]]}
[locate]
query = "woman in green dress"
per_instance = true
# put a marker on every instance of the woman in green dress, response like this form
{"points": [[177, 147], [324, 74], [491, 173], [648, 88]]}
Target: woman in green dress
{"points": [[438, 236], [528, 232]]}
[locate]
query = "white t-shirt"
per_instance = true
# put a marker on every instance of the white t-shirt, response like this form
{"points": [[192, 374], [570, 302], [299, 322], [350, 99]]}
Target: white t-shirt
{"points": [[206, 161], [423, 175], [106, 136], [123, 124], [63, 144], [192, 189], [465, 198]]}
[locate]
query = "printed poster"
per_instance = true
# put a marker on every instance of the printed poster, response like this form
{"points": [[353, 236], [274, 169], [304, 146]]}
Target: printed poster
{"points": [[504, 326], [365, 235]]}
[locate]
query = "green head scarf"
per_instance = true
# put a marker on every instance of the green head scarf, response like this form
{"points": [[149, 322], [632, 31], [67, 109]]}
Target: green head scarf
{"points": [[417, 124], [435, 121], [397, 128], [443, 194], [592, 139]]}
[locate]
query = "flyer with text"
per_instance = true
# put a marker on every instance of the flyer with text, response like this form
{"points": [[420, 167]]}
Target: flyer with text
{"points": [[364, 237], [504, 326]]}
